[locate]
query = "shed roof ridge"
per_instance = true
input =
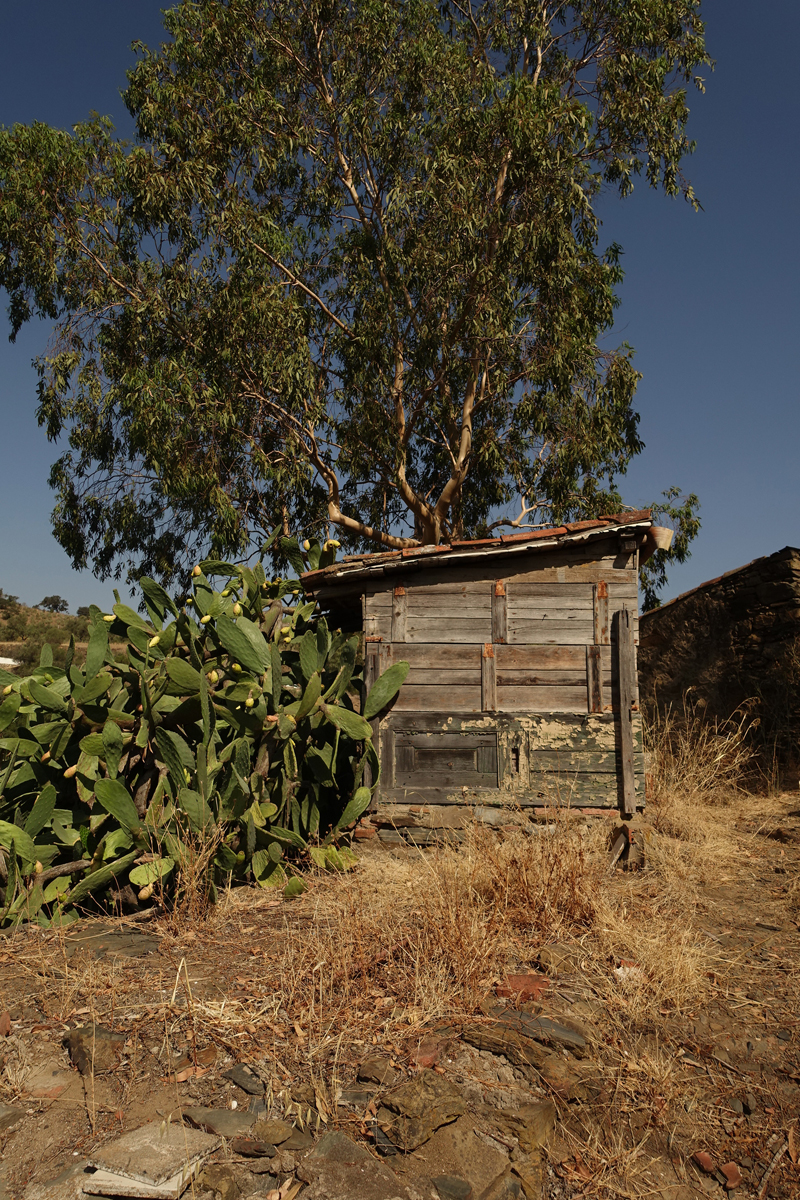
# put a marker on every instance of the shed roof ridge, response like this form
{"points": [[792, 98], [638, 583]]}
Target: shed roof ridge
{"points": [[356, 564]]}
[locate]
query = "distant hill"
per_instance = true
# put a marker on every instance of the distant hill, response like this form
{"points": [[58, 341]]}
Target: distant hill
{"points": [[24, 630]]}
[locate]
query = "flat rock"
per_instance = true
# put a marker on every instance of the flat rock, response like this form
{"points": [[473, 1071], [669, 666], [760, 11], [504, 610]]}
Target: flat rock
{"points": [[506, 1037], [67, 1185], [416, 1109], [377, 1069], [356, 1097], [452, 1187], [224, 1122], [338, 1168], [531, 1124], [273, 1131], [221, 1178], [563, 957], [505, 1187], [566, 1080], [249, 1147], [94, 1049], [154, 1153], [103, 940], [298, 1140], [244, 1078], [10, 1116], [456, 1150]]}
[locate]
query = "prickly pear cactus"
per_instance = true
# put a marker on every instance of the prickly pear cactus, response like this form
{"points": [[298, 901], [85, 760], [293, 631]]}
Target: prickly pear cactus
{"points": [[228, 718]]}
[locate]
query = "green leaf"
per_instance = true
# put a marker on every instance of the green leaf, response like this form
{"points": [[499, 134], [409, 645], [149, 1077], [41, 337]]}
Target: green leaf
{"points": [[257, 641], [267, 873], [113, 746], [97, 649], [171, 758], [196, 809], [42, 810], [9, 709], [241, 648], [309, 653], [93, 744], [116, 800], [46, 697], [310, 697], [291, 549], [97, 686], [23, 842], [295, 887], [157, 599], [359, 804], [185, 678], [46, 656], [385, 688], [100, 878], [348, 721], [128, 617], [149, 872]]}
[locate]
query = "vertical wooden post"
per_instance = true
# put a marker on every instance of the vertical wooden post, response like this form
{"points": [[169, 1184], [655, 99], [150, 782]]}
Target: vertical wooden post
{"points": [[499, 613], [399, 612], [594, 679], [372, 669], [488, 679], [602, 634], [626, 672]]}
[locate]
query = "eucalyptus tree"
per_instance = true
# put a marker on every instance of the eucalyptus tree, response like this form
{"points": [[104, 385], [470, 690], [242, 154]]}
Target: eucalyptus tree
{"points": [[348, 272]]}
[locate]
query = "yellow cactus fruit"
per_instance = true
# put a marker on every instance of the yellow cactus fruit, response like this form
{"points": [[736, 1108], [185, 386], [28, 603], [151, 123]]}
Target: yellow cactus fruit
{"points": [[37, 867], [286, 629], [45, 757], [236, 668], [213, 677], [70, 771], [226, 591], [8, 690], [204, 620], [146, 892], [237, 609], [333, 542], [154, 641], [306, 544], [109, 617], [196, 571], [249, 702]]}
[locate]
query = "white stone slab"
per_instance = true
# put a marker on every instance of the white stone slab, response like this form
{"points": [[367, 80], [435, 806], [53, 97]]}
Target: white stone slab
{"points": [[106, 1183], [152, 1155]]}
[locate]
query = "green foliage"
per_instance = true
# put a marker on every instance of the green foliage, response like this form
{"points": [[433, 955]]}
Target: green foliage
{"points": [[55, 604], [348, 269], [230, 720], [685, 521]]}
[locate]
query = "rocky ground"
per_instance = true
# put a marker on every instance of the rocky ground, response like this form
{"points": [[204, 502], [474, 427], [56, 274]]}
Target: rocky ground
{"points": [[558, 1068]]}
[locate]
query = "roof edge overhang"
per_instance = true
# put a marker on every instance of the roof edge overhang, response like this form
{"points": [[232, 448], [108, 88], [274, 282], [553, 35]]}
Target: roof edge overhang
{"points": [[358, 572]]}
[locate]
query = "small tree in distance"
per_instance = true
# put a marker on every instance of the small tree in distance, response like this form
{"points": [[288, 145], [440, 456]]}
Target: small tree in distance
{"points": [[54, 604]]}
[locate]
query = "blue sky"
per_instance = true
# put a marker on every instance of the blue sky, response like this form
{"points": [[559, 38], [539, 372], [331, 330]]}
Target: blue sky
{"points": [[710, 302]]}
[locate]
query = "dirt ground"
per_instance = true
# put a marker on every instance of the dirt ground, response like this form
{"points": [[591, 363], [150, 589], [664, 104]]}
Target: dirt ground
{"points": [[684, 978]]}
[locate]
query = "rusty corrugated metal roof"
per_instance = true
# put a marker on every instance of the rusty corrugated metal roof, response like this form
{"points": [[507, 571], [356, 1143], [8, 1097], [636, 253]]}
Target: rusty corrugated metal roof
{"points": [[354, 565]]}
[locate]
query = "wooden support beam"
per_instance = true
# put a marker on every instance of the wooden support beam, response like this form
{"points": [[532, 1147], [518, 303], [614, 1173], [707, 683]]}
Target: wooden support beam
{"points": [[626, 659], [499, 612], [488, 679], [594, 679], [372, 669], [602, 630], [399, 613]]}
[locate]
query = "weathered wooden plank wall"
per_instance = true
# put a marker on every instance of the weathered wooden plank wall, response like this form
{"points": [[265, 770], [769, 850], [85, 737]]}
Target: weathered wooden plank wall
{"points": [[514, 681]]}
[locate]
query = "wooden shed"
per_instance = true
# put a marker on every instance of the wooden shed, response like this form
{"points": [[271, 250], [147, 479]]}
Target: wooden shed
{"points": [[522, 650]]}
